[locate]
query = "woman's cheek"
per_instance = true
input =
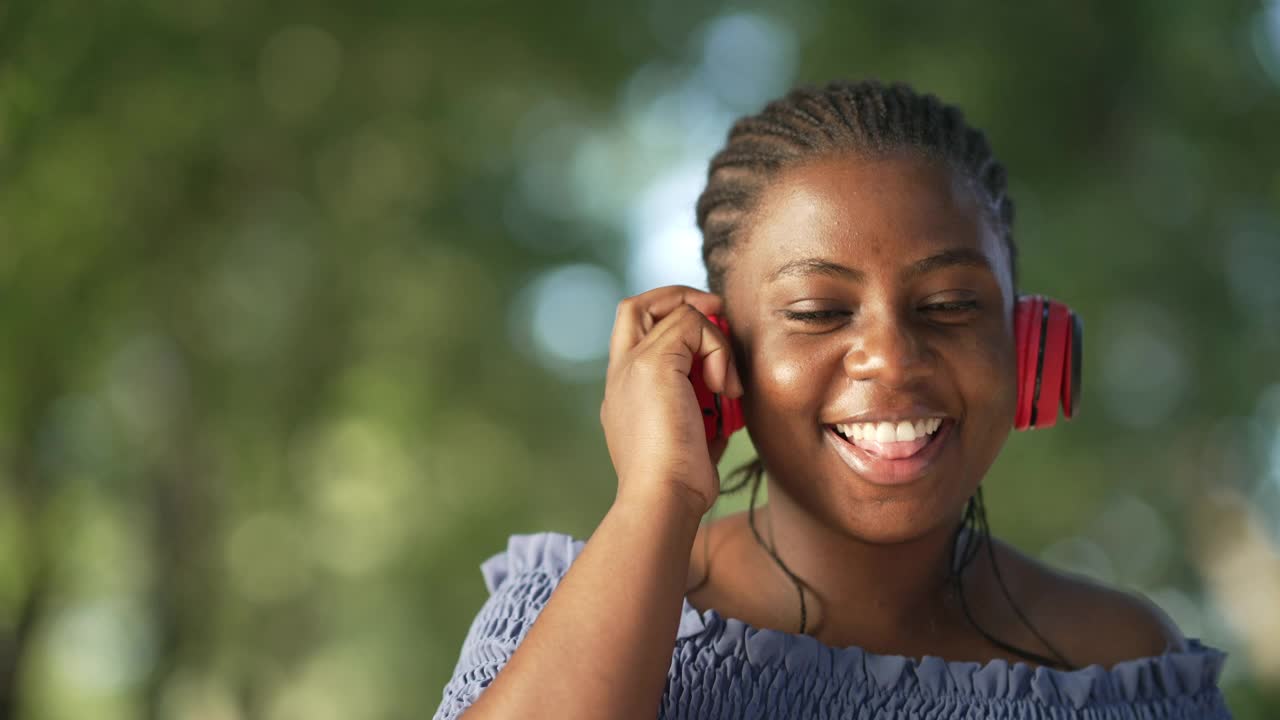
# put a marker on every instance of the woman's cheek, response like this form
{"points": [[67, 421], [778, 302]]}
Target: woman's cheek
{"points": [[787, 380], [998, 372]]}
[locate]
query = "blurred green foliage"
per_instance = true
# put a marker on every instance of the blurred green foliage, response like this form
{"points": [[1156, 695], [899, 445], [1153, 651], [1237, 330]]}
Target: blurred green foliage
{"points": [[263, 411]]}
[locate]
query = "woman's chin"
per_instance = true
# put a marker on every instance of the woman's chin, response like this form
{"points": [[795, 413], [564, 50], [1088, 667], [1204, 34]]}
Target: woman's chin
{"points": [[896, 522]]}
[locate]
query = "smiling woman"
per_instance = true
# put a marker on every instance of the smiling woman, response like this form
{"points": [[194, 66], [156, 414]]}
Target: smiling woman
{"points": [[909, 238], [858, 241]]}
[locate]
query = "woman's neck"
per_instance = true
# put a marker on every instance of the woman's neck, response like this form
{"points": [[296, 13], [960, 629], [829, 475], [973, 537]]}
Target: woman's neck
{"points": [[862, 593]]}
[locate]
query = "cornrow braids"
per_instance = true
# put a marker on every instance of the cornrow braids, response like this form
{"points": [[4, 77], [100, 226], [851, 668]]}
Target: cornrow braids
{"points": [[864, 117]]}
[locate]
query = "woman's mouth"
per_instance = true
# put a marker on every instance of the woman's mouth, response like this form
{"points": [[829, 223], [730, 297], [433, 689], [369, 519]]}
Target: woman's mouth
{"points": [[890, 453]]}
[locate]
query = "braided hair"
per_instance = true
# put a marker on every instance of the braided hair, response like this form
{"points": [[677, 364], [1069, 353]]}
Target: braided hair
{"points": [[870, 119]]}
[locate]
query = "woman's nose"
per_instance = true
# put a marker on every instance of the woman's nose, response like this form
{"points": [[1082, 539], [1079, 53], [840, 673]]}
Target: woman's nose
{"points": [[887, 350]]}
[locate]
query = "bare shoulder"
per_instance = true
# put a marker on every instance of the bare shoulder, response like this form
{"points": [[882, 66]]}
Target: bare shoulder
{"points": [[1089, 622]]}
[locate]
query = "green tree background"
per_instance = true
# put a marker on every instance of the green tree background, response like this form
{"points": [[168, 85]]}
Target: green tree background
{"points": [[304, 308]]}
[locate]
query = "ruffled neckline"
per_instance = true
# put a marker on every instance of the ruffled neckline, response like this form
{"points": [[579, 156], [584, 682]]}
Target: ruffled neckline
{"points": [[706, 636], [1172, 673]]}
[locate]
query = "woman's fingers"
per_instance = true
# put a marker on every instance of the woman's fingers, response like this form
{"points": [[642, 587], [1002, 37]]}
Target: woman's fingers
{"points": [[686, 333], [638, 315], [653, 426]]}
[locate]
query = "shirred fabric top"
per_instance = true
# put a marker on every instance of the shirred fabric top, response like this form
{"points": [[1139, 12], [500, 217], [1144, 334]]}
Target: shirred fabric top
{"points": [[724, 668]]}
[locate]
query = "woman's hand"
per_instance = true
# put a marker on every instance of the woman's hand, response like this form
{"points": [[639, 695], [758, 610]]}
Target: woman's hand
{"points": [[652, 422]]}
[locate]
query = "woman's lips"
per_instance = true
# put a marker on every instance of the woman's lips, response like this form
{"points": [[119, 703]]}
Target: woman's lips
{"points": [[890, 463]]}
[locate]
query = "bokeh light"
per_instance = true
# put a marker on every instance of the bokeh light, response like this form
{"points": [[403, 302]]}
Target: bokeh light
{"points": [[307, 310], [565, 317]]}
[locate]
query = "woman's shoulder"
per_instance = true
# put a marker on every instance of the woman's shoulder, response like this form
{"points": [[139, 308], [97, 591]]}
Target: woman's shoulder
{"points": [[1087, 621], [542, 553]]}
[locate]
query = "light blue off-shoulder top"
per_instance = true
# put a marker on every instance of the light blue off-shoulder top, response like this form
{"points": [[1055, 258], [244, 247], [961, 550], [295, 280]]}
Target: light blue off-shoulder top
{"points": [[723, 668]]}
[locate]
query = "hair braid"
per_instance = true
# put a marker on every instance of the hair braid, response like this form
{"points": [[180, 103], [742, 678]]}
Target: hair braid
{"points": [[863, 117]]}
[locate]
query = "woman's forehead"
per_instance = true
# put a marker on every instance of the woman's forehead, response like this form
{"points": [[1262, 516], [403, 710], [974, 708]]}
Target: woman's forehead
{"points": [[881, 213]]}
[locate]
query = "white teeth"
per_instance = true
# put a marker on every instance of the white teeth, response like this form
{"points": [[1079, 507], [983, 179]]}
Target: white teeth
{"points": [[901, 431], [905, 431], [885, 432]]}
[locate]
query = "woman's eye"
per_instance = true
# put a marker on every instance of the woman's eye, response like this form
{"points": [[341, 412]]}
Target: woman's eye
{"points": [[825, 316], [814, 316], [956, 306]]}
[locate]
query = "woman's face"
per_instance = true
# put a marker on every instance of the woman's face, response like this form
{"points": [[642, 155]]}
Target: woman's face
{"points": [[909, 298]]}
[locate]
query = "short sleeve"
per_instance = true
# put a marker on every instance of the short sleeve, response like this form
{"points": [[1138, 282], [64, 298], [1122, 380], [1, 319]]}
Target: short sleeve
{"points": [[520, 581]]}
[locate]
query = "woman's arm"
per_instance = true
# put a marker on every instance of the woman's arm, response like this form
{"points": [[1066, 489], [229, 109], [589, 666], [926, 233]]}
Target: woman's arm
{"points": [[602, 645]]}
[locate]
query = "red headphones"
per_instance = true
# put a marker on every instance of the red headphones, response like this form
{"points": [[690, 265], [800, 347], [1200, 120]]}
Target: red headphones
{"points": [[1049, 338], [721, 417], [1050, 342]]}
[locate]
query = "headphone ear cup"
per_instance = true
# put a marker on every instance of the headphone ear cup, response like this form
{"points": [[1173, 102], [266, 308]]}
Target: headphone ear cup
{"points": [[721, 415], [1049, 340], [1052, 361], [731, 419], [1073, 376], [1026, 340]]}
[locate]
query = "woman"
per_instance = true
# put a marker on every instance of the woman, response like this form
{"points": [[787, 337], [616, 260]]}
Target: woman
{"points": [[858, 241]]}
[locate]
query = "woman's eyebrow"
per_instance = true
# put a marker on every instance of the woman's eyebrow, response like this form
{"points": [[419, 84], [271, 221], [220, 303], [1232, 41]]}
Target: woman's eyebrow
{"points": [[804, 267], [964, 256]]}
